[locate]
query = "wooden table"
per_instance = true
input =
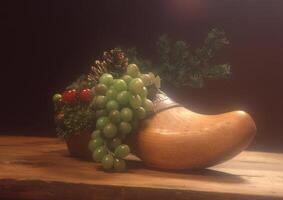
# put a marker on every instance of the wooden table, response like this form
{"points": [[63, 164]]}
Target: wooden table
{"points": [[40, 168]]}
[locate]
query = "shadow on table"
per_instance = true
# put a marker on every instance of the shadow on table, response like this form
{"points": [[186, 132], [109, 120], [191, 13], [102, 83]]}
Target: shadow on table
{"points": [[200, 175], [135, 167]]}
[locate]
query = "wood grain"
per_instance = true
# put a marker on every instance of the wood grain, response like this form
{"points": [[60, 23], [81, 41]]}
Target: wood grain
{"points": [[40, 168]]}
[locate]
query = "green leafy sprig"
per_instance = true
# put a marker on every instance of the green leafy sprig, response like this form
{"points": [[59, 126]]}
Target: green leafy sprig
{"points": [[77, 118], [180, 65]]}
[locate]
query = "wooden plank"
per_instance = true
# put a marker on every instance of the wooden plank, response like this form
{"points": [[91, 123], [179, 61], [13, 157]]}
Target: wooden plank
{"points": [[40, 168]]}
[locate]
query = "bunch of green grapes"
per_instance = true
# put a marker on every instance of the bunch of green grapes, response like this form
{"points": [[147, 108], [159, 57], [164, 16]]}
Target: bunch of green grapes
{"points": [[119, 105]]}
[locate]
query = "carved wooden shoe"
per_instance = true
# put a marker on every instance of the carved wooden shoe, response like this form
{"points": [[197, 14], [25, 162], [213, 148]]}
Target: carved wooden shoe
{"points": [[177, 138]]}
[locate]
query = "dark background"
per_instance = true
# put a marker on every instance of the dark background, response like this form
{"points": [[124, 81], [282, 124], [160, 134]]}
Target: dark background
{"points": [[47, 44]]}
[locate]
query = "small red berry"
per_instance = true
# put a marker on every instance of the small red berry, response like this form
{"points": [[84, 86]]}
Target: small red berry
{"points": [[86, 95], [69, 96]]}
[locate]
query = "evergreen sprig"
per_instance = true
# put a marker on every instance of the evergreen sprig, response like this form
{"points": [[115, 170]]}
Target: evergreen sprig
{"points": [[78, 118], [180, 65]]}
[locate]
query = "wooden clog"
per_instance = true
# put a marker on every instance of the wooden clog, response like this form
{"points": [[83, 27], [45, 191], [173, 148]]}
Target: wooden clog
{"points": [[177, 138]]}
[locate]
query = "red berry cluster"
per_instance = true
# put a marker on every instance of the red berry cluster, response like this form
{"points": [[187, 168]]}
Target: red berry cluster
{"points": [[71, 96], [85, 95]]}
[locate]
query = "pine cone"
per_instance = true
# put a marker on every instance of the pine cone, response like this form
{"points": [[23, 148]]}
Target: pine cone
{"points": [[97, 70], [116, 61]]}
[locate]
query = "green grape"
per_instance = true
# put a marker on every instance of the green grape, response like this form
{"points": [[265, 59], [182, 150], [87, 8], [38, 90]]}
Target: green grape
{"points": [[126, 114], [114, 116], [106, 79], [157, 82], [56, 97], [127, 78], [115, 142], [122, 151], [93, 102], [100, 89], [100, 101], [125, 128], [112, 105], [123, 98], [101, 122], [136, 86], [133, 70], [95, 134], [152, 76], [120, 85], [143, 92], [111, 94], [114, 81], [100, 113], [146, 79], [107, 162], [148, 105], [110, 130], [112, 86], [140, 113], [135, 101], [119, 164], [99, 153], [93, 144]]}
